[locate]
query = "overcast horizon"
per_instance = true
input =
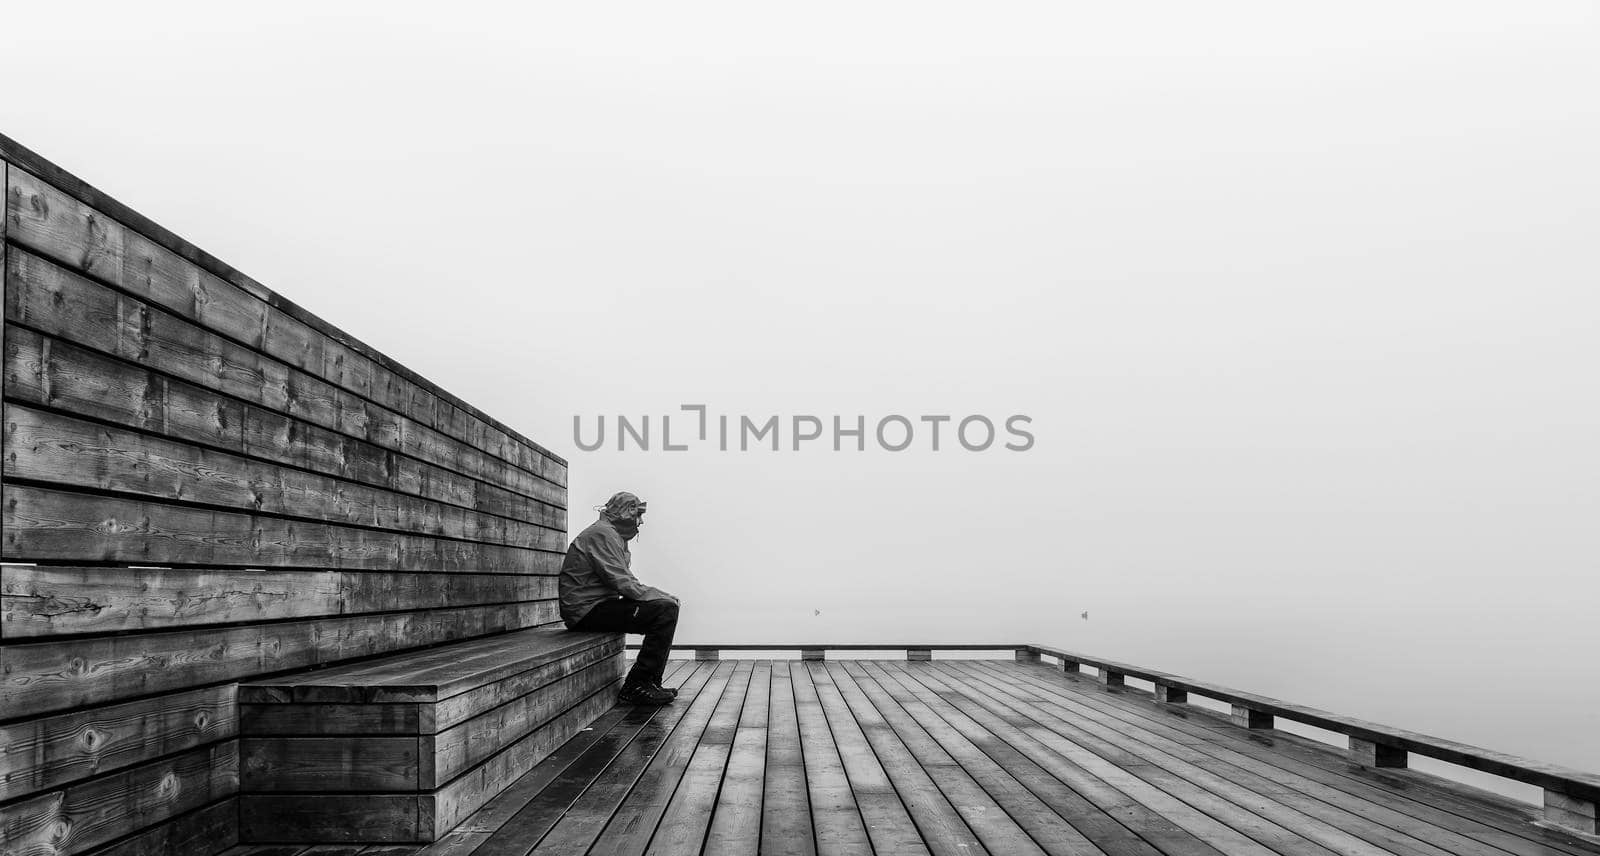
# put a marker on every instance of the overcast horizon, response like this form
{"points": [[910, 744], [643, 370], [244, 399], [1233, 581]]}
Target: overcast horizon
{"points": [[1301, 307]]}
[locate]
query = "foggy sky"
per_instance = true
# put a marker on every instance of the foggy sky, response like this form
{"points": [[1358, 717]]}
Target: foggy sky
{"points": [[1302, 303]]}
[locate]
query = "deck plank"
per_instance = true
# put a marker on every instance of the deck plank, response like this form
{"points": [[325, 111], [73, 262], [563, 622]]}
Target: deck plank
{"points": [[601, 773], [883, 807], [835, 814], [1258, 814], [915, 764], [1341, 825], [1158, 788], [1048, 828], [686, 816], [786, 826], [1393, 798], [992, 762], [598, 812], [1149, 824], [736, 817], [516, 817], [961, 757]]}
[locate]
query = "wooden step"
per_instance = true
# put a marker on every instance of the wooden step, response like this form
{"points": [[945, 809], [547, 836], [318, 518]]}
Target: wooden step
{"points": [[400, 748]]}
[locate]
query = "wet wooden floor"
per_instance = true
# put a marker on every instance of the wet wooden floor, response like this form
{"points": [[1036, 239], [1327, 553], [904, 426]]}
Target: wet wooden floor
{"points": [[959, 757]]}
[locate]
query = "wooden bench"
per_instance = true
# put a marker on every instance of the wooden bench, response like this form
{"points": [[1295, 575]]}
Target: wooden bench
{"points": [[402, 748]]}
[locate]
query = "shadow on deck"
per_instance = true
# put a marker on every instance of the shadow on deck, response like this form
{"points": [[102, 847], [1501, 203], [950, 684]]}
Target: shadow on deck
{"points": [[890, 757]]}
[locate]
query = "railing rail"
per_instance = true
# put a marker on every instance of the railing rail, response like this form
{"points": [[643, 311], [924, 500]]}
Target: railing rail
{"points": [[1570, 796]]}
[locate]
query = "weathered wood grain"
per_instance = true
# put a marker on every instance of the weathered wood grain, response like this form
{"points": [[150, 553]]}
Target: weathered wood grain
{"points": [[46, 524], [165, 418], [53, 600], [514, 828], [452, 803], [326, 718], [46, 372], [60, 449], [1184, 770], [210, 829], [1454, 818], [52, 223], [272, 818], [38, 754], [639, 814], [345, 763], [431, 675], [460, 708], [58, 303], [81, 816], [43, 677], [842, 772], [735, 819], [591, 811], [456, 749], [786, 826], [1257, 711]]}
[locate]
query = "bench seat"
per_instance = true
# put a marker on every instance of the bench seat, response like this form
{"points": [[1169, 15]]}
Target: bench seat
{"points": [[402, 748]]}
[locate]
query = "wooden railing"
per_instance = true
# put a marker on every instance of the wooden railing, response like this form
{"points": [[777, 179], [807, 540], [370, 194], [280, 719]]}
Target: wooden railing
{"points": [[1570, 796]]}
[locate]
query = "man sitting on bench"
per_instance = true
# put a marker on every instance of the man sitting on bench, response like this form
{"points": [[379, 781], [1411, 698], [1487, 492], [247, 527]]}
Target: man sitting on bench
{"points": [[600, 593]]}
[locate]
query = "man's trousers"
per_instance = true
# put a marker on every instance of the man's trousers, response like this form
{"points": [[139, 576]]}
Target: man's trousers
{"points": [[656, 619]]}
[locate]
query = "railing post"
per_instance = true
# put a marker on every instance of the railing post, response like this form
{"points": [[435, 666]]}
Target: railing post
{"points": [[1171, 695], [1369, 754], [1070, 666], [919, 654], [1026, 656], [1251, 718], [810, 653], [1111, 677], [707, 654], [1572, 812]]}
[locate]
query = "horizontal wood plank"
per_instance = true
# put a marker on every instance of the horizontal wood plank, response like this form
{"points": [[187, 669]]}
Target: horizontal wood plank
{"points": [[429, 675], [335, 763], [463, 706], [271, 818], [45, 524], [84, 815], [48, 373], [47, 752], [207, 830], [453, 802], [60, 449], [53, 223], [461, 747], [51, 600], [41, 677], [330, 718], [47, 297]]}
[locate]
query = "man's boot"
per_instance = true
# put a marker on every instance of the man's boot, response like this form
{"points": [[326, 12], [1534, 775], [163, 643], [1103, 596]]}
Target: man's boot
{"points": [[643, 694]]}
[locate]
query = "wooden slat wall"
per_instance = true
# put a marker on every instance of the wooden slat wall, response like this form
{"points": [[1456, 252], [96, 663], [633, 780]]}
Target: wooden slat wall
{"points": [[203, 483]]}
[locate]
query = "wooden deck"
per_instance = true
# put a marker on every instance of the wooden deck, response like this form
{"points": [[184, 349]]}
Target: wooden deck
{"points": [[960, 757]]}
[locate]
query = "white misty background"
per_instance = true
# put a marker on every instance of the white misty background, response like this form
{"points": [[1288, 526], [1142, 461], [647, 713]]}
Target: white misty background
{"points": [[1302, 302]]}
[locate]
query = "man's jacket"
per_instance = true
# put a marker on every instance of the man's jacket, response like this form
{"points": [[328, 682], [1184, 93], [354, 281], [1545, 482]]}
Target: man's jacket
{"points": [[597, 569]]}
